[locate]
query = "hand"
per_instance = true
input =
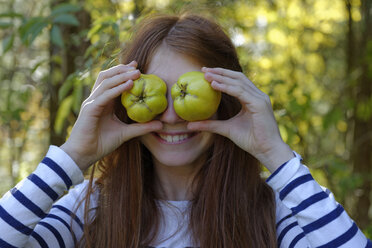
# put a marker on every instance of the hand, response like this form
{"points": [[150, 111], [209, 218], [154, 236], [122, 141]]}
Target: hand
{"points": [[98, 131], [254, 128]]}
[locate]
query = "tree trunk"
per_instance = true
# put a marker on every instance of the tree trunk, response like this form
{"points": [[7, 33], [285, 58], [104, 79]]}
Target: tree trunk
{"points": [[362, 141]]}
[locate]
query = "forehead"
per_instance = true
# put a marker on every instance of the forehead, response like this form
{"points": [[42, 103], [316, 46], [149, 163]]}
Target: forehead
{"points": [[170, 65]]}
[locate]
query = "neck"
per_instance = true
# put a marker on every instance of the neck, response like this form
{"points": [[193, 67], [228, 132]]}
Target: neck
{"points": [[174, 183]]}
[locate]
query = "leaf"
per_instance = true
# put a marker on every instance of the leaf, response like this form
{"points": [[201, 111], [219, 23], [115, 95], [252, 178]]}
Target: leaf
{"points": [[56, 36], [4, 25], [88, 52], [66, 87], [64, 8], [11, 15], [332, 117], [37, 65], [66, 19], [109, 62], [115, 27], [364, 109], [36, 31], [32, 28], [78, 95], [62, 113], [95, 29], [8, 43]]}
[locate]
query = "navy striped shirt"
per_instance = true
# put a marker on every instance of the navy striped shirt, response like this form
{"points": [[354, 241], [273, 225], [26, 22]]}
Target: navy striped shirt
{"points": [[307, 215]]}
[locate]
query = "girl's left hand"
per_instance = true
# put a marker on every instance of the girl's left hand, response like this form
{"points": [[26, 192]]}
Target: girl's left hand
{"points": [[254, 128]]}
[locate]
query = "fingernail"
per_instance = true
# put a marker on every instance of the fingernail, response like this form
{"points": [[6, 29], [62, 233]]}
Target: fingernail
{"points": [[134, 71]]}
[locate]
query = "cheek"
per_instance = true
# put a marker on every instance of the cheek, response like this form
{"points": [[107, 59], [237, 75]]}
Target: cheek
{"points": [[146, 140]]}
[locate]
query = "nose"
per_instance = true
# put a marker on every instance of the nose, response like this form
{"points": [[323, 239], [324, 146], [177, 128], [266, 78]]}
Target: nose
{"points": [[169, 115]]}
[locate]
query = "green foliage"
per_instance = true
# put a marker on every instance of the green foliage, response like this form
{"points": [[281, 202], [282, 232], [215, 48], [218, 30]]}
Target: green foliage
{"points": [[63, 113], [56, 36], [66, 19], [364, 109], [31, 28], [64, 8], [8, 43]]}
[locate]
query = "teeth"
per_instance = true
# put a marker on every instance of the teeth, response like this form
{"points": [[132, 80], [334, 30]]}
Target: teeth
{"points": [[174, 138]]}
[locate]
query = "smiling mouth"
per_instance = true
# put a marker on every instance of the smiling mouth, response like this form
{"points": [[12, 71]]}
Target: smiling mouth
{"points": [[175, 138]]}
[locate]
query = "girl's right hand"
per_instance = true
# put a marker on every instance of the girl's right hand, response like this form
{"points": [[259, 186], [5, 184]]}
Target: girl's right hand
{"points": [[97, 130]]}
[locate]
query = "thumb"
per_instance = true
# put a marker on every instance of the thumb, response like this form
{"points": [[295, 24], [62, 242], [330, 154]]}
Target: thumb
{"points": [[138, 129], [213, 126]]}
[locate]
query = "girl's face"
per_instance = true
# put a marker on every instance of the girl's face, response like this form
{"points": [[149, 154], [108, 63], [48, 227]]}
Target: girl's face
{"points": [[174, 145]]}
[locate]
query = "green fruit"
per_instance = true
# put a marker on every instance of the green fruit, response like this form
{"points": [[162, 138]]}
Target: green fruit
{"points": [[146, 99], [193, 97]]}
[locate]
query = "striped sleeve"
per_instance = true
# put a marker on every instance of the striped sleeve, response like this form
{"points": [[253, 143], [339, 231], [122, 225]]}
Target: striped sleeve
{"points": [[313, 216], [29, 202]]}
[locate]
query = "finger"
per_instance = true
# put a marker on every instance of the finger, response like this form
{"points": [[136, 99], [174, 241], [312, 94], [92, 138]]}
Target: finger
{"points": [[222, 72], [210, 77], [118, 69], [236, 88], [219, 74], [138, 129], [102, 100], [132, 64], [237, 91], [214, 126], [115, 81]]}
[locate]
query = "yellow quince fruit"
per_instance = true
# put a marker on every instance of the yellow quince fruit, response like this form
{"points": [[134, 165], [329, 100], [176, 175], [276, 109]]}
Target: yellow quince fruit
{"points": [[194, 99], [146, 99]]}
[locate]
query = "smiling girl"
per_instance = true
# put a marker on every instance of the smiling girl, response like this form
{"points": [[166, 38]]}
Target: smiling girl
{"points": [[170, 182]]}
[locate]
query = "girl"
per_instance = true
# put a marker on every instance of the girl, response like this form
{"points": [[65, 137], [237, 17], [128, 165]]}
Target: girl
{"points": [[169, 182]]}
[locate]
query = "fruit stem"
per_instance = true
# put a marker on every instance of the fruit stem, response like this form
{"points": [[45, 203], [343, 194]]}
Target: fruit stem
{"points": [[183, 90], [141, 97]]}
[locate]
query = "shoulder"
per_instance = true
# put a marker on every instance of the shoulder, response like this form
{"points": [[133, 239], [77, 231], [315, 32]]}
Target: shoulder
{"points": [[73, 202], [78, 193]]}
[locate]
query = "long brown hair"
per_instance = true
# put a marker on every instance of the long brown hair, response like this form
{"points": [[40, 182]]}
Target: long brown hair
{"points": [[232, 207]]}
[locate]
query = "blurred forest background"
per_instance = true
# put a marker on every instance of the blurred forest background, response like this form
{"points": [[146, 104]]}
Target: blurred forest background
{"points": [[313, 57]]}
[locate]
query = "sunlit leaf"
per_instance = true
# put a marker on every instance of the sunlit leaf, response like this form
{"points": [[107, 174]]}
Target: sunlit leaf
{"points": [[63, 111], [66, 87], [37, 65], [94, 29]]}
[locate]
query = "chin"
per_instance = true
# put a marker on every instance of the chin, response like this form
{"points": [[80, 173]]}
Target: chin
{"points": [[176, 160]]}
